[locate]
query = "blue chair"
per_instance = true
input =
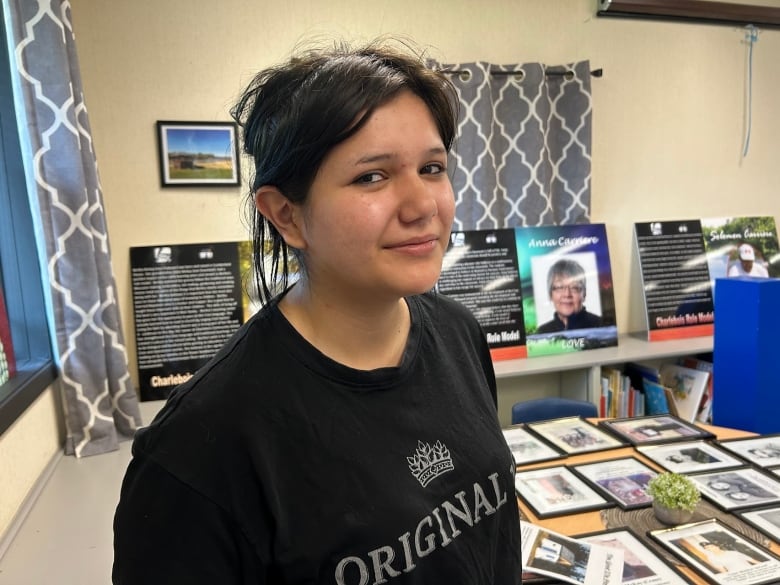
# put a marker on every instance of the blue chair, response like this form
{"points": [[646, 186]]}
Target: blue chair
{"points": [[547, 408]]}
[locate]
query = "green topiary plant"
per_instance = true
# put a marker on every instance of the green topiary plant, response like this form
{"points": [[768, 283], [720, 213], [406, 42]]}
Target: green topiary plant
{"points": [[674, 491]]}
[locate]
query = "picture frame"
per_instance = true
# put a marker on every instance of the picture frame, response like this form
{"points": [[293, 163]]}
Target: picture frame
{"points": [[641, 566], [198, 154], [574, 435], [556, 490], [734, 489], [689, 457], [763, 451], [527, 447], [719, 554], [654, 429], [623, 480], [765, 520]]}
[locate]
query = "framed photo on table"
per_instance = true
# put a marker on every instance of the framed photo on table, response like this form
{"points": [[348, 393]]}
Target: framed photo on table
{"points": [[528, 448], [641, 566], [767, 520], [574, 435], [554, 491], [689, 457], [647, 430], [763, 451], [734, 489], [198, 154], [623, 480], [719, 554]]}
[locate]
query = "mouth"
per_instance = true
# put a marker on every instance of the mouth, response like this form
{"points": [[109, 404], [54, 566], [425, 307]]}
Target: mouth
{"points": [[416, 246]]}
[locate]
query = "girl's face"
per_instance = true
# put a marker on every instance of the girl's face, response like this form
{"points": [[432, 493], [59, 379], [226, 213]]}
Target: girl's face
{"points": [[378, 216]]}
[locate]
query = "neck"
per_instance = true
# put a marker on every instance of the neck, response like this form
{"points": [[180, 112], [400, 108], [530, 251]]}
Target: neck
{"points": [[359, 334]]}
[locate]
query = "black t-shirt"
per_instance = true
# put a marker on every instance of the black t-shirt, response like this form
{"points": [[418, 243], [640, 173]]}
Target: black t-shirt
{"points": [[275, 464]]}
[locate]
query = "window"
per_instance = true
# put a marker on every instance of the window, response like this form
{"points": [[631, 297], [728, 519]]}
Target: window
{"points": [[20, 273]]}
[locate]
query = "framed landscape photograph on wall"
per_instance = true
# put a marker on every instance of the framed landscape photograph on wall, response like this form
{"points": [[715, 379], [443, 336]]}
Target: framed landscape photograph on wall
{"points": [[198, 154]]}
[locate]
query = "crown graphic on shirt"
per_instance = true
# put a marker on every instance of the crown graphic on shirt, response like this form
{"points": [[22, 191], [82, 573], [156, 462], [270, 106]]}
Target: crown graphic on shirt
{"points": [[429, 462]]}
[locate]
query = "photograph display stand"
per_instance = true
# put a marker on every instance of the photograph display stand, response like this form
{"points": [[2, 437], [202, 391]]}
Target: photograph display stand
{"points": [[520, 283], [195, 293], [719, 554], [678, 286]]}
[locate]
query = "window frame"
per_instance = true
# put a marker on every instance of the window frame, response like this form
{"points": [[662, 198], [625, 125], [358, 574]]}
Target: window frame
{"points": [[21, 273]]}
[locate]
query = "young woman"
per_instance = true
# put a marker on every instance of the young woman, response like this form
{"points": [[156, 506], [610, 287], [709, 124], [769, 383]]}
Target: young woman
{"points": [[348, 433]]}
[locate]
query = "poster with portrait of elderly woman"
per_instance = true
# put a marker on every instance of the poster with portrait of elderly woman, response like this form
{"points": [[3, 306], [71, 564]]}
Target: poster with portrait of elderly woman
{"points": [[568, 299]]}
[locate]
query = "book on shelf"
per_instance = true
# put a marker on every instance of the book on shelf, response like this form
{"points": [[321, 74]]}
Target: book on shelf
{"points": [[680, 260], [705, 407], [641, 388], [656, 399], [687, 387], [536, 291], [619, 397]]}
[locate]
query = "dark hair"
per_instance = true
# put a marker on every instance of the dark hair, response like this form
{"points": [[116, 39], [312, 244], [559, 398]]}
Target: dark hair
{"points": [[293, 114], [565, 267]]}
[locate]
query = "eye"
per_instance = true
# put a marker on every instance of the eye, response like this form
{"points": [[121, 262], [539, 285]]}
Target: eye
{"points": [[368, 178], [434, 168]]}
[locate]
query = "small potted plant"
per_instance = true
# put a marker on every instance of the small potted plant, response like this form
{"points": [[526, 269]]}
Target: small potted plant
{"points": [[674, 497]]}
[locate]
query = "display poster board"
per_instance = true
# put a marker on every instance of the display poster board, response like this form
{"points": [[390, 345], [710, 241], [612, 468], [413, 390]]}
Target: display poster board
{"points": [[566, 275], [188, 300], [680, 260], [506, 276], [480, 270]]}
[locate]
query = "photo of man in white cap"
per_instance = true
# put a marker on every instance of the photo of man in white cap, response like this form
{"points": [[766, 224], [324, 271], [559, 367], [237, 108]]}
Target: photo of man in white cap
{"points": [[747, 265]]}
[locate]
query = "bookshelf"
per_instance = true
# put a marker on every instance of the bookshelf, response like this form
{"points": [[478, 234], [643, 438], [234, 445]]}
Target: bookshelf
{"points": [[577, 375]]}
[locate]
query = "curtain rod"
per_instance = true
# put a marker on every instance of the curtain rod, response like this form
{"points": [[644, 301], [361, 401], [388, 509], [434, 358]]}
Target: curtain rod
{"points": [[567, 74]]}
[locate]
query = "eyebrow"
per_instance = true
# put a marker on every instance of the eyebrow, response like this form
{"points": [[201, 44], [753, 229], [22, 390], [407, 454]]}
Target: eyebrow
{"points": [[372, 158]]}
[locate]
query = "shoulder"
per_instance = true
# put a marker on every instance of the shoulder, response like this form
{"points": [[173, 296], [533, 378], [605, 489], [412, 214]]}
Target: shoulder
{"points": [[592, 318], [443, 311]]}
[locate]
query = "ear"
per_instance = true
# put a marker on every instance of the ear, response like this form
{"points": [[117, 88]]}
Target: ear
{"points": [[282, 213]]}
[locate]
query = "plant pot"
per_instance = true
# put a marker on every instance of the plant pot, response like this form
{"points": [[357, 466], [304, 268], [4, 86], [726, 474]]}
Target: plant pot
{"points": [[671, 516]]}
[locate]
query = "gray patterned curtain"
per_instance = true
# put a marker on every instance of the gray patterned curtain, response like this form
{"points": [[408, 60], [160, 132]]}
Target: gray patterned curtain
{"points": [[523, 152], [99, 399]]}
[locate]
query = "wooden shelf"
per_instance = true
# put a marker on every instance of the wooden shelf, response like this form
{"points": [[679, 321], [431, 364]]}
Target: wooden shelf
{"points": [[578, 375], [630, 348]]}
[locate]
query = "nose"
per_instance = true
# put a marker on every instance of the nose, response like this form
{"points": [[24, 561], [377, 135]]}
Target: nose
{"points": [[418, 200]]}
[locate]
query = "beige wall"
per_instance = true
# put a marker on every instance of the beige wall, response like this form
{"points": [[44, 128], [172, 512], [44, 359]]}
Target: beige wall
{"points": [[668, 115], [668, 120], [26, 448]]}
